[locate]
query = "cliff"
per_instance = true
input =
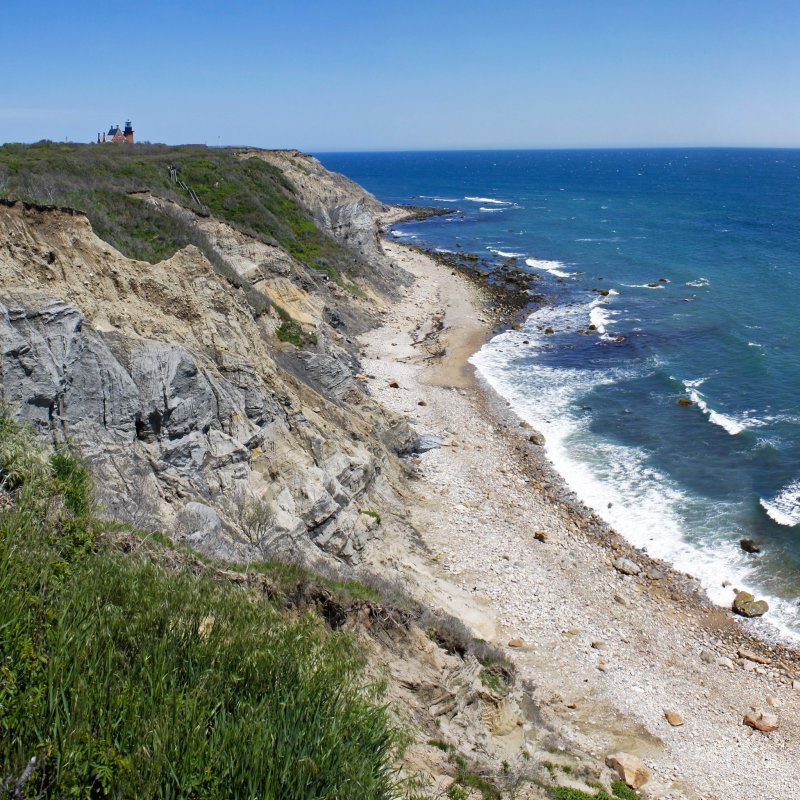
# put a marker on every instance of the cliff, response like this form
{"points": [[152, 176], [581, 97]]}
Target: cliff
{"points": [[240, 430]]}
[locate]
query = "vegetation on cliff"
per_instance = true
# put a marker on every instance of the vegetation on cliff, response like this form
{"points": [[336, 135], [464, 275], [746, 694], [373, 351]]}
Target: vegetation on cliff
{"points": [[122, 677], [108, 184]]}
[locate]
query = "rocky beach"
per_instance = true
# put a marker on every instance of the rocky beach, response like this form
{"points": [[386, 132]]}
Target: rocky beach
{"points": [[621, 652]]}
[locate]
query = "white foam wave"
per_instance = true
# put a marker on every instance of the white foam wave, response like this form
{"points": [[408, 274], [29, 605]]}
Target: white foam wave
{"points": [[699, 282], [616, 481], [726, 423], [491, 200], [553, 267], [403, 235], [491, 210], [505, 253], [600, 317], [438, 199], [644, 285], [784, 508], [443, 250]]}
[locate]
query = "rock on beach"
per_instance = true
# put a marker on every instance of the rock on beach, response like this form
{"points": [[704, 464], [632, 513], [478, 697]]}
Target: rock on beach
{"points": [[630, 768], [747, 606]]}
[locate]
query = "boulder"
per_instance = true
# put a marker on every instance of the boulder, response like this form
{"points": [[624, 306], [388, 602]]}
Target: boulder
{"points": [[629, 768], [745, 604], [761, 721], [516, 642], [536, 438], [749, 546], [626, 566]]}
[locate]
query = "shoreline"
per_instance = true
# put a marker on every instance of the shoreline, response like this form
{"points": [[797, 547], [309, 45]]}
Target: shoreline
{"points": [[592, 635]]}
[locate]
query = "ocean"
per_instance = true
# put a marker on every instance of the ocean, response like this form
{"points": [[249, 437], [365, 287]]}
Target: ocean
{"points": [[664, 369]]}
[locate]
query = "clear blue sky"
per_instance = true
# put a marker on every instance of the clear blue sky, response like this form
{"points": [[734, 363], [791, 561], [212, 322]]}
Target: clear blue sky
{"points": [[359, 75]]}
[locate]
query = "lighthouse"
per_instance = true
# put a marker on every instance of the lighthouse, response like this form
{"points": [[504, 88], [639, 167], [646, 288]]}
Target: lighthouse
{"points": [[128, 133]]}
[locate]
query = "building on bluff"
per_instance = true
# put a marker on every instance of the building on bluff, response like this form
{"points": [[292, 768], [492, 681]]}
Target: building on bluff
{"points": [[117, 134]]}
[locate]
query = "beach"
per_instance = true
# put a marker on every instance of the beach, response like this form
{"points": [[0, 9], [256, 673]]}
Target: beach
{"points": [[610, 639]]}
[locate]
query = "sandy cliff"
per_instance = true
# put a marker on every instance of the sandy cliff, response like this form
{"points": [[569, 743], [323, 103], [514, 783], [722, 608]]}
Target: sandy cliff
{"points": [[185, 401]]}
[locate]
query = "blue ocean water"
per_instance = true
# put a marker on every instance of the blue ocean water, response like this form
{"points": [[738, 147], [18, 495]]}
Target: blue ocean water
{"points": [[687, 264]]}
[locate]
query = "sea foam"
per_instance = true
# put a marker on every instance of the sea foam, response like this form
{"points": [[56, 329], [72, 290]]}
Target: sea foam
{"points": [[726, 423], [490, 200], [553, 267], [616, 481], [505, 253], [784, 508]]}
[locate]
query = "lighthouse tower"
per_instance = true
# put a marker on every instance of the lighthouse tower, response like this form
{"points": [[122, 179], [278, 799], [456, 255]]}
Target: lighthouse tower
{"points": [[128, 133]]}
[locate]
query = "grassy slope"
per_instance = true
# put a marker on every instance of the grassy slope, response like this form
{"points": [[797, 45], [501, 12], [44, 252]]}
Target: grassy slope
{"points": [[248, 193], [124, 679]]}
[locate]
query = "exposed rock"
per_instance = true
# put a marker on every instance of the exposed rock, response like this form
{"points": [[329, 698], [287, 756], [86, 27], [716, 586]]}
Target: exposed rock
{"points": [[630, 768], [536, 438], [540, 536], [517, 642], [761, 721], [682, 401], [745, 604], [626, 566], [171, 388], [750, 656], [673, 717], [749, 546]]}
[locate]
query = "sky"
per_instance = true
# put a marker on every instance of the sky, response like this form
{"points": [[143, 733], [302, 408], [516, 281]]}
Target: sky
{"points": [[359, 75]]}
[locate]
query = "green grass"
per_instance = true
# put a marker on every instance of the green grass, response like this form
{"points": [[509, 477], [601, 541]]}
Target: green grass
{"points": [[125, 679], [620, 791], [101, 181]]}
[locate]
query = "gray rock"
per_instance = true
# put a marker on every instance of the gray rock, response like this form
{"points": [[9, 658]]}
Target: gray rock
{"points": [[626, 566], [747, 606]]}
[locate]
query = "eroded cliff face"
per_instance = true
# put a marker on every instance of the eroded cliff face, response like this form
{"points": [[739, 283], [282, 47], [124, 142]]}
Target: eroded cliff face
{"points": [[340, 207], [198, 420]]}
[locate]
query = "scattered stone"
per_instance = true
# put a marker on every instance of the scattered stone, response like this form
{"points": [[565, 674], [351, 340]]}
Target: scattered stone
{"points": [[599, 645], [749, 546], [673, 717], [623, 601], [725, 662], [626, 566], [536, 438], [421, 403], [707, 657], [742, 653], [517, 642], [761, 721], [745, 604], [524, 424], [773, 701], [394, 385], [548, 331], [629, 768], [540, 536]]}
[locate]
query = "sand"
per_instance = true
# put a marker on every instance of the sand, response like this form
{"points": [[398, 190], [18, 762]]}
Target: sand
{"points": [[607, 653]]}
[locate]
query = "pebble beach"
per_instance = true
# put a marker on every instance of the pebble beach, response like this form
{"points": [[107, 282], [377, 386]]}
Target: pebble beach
{"points": [[624, 653]]}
